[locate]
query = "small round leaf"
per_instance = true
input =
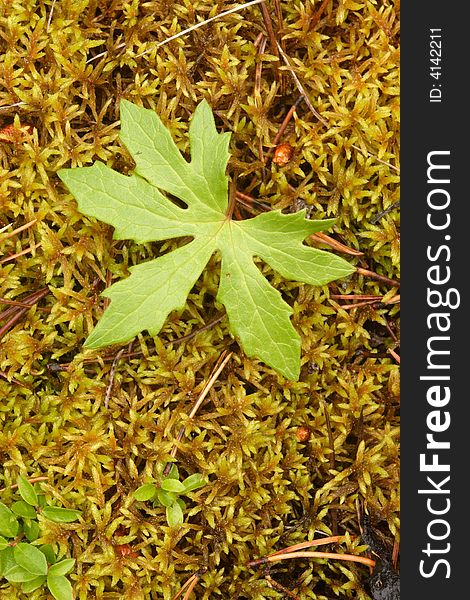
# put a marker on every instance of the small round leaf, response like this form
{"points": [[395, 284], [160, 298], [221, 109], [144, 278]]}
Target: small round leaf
{"points": [[62, 567], [23, 509], [7, 560], [193, 482], [31, 530], [145, 492], [30, 558], [8, 522], [49, 553], [18, 574], [166, 498], [173, 473], [34, 584], [3, 543], [172, 485], [60, 587], [27, 491], [174, 515], [60, 515]]}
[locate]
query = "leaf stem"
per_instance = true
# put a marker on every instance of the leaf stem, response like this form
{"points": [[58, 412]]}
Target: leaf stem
{"points": [[232, 197]]}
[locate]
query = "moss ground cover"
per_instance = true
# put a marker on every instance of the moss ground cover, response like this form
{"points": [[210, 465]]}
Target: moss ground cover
{"points": [[283, 460]]}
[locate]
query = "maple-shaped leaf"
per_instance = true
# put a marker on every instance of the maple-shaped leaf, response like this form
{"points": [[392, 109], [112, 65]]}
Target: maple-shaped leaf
{"points": [[134, 205]]}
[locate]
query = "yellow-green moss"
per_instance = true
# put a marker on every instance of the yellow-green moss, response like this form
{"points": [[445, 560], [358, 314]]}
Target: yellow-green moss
{"points": [[267, 489]]}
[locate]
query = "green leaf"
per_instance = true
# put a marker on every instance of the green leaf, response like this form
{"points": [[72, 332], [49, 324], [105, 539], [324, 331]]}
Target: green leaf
{"points": [[31, 530], [30, 558], [174, 515], [145, 492], [3, 543], [60, 515], [34, 584], [193, 482], [172, 485], [49, 553], [258, 316], [202, 182], [166, 498], [18, 574], [60, 587], [62, 567], [7, 560], [9, 524], [22, 509], [27, 491], [173, 472]]}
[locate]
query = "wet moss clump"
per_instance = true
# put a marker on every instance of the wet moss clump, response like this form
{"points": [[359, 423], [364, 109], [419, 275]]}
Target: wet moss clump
{"points": [[284, 460]]}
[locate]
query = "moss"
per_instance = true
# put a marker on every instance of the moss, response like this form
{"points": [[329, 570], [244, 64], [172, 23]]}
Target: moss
{"points": [[63, 72]]}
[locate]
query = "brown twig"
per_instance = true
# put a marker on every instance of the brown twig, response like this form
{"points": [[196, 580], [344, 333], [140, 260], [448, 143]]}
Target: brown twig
{"points": [[354, 297], [261, 46], [112, 372], [3, 375], [223, 360], [280, 587], [13, 256], [190, 588], [296, 551], [395, 552], [316, 17], [12, 105], [373, 275], [384, 162], [326, 239], [14, 303], [337, 556], [391, 332], [272, 38], [365, 298], [190, 584], [384, 212], [332, 465], [49, 18], [300, 86], [17, 230], [13, 486], [25, 303], [219, 366], [282, 128], [357, 304], [332, 539], [250, 200], [286, 120], [18, 313], [109, 277], [248, 207], [197, 25], [394, 354], [280, 21]]}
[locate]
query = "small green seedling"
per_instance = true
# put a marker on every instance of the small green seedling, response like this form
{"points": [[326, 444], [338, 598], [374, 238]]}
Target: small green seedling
{"points": [[258, 316], [168, 494], [24, 563]]}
